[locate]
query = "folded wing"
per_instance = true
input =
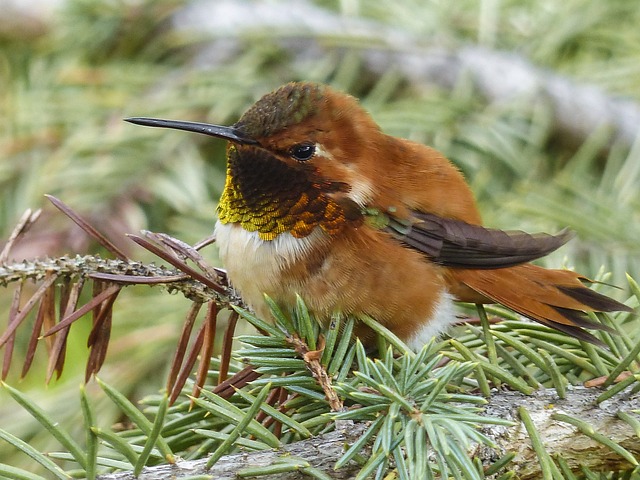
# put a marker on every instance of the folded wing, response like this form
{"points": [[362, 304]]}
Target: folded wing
{"points": [[457, 244]]}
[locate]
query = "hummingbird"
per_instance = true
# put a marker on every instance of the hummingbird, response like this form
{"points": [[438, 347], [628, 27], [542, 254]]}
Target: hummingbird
{"points": [[319, 202]]}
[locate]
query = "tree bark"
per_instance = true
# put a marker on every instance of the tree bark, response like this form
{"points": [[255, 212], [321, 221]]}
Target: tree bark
{"points": [[321, 452], [559, 439]]}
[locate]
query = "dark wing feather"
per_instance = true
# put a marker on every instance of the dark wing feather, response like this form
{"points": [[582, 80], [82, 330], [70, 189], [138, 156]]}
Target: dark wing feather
{"points": [[458, 244]]}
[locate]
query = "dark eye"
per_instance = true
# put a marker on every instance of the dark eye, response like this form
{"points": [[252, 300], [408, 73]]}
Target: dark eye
{"points": [[303, 151]]}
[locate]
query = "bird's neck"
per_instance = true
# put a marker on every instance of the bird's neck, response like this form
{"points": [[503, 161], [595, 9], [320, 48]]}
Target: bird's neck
{"points": [[264, 195]]}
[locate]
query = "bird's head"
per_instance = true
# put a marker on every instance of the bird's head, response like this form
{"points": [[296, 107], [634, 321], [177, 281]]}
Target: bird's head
{"points": [[299, 158]]}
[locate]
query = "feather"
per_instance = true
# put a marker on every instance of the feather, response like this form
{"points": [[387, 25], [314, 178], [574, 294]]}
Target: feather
{"points": [[457, 244], [556, 298]]}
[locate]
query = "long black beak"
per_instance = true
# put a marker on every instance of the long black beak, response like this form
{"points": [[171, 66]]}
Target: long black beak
{"points": [[228, 133]]}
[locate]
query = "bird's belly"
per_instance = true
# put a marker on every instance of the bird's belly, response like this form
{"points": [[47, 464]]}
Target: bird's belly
{"points": [[371, 275]]}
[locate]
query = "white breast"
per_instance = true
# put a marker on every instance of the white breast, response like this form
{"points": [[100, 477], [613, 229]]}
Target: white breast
{"points": [[254, 265]]}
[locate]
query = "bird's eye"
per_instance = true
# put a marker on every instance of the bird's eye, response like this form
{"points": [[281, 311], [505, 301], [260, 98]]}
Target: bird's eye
{"points": [[303, 151]]}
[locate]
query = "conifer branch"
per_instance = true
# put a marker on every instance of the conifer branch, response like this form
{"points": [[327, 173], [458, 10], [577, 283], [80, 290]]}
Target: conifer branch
{"points": [[118, 271], [560, 439]]}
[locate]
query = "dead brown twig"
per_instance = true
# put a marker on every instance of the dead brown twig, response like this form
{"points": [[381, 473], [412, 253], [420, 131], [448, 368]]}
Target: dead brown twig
{"points": [[202, 284], [312, 360]]}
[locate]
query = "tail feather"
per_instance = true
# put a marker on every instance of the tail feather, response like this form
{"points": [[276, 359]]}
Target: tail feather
{"points": [[556, 298], [582, 320], [596, 301]]}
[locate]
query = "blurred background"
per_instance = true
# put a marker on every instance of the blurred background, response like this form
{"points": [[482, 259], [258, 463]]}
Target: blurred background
{"points": [[538, 102]]}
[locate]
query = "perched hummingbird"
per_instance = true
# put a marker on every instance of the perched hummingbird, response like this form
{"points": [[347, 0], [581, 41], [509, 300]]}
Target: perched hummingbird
{"points": [[319, 202]]}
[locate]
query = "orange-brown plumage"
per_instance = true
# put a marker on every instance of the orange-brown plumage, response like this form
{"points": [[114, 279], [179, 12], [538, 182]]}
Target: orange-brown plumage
{"points": [[320, 202]]}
